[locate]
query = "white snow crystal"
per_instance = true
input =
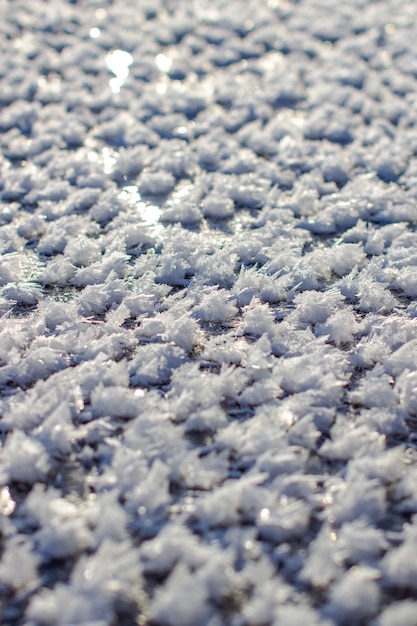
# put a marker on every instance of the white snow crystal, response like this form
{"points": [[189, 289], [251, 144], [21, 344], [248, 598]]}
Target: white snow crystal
{"points": [[18, 568], [208, 341], [402, 612], [216, 306], [356, 596], [23, 459]]}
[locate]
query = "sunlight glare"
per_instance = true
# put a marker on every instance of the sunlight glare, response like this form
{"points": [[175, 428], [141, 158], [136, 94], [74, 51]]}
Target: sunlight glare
{"points": [[118, 62], [149, 213]]}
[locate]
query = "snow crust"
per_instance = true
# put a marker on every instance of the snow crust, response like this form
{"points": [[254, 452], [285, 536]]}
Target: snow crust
{"points": [[208, 337]]}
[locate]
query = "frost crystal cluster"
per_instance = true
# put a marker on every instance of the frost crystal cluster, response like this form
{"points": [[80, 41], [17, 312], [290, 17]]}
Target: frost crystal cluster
{"points": [[208, 301]]}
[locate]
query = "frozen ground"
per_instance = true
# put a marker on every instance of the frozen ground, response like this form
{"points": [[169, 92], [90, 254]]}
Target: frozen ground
{"points": [[209, 322]]}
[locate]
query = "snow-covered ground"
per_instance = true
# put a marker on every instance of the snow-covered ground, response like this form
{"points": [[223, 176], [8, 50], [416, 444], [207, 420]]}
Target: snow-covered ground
{"points": [[208, 334]]}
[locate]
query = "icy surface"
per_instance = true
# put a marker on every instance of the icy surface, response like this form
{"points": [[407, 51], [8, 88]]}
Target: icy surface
{"points": [[208, 336]]}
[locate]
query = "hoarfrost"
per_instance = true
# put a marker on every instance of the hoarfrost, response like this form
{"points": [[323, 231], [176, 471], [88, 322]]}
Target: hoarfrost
{"points": [[208, 332]]}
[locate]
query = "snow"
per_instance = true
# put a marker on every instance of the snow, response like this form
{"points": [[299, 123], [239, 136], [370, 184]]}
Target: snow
{"points": [[402, 612], [208, 338]]}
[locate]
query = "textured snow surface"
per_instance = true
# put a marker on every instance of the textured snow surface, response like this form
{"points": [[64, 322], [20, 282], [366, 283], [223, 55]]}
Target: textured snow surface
{"points": [[208, 334]]}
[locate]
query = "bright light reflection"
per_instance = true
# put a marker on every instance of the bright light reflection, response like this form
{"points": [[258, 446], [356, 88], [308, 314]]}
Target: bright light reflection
{"points": [[118, 62], [94, 33], [264, 515], [130, 194], [108, 157], [109, 160], [161, 88], [163, 63], [149, 213], [182, 192]]}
